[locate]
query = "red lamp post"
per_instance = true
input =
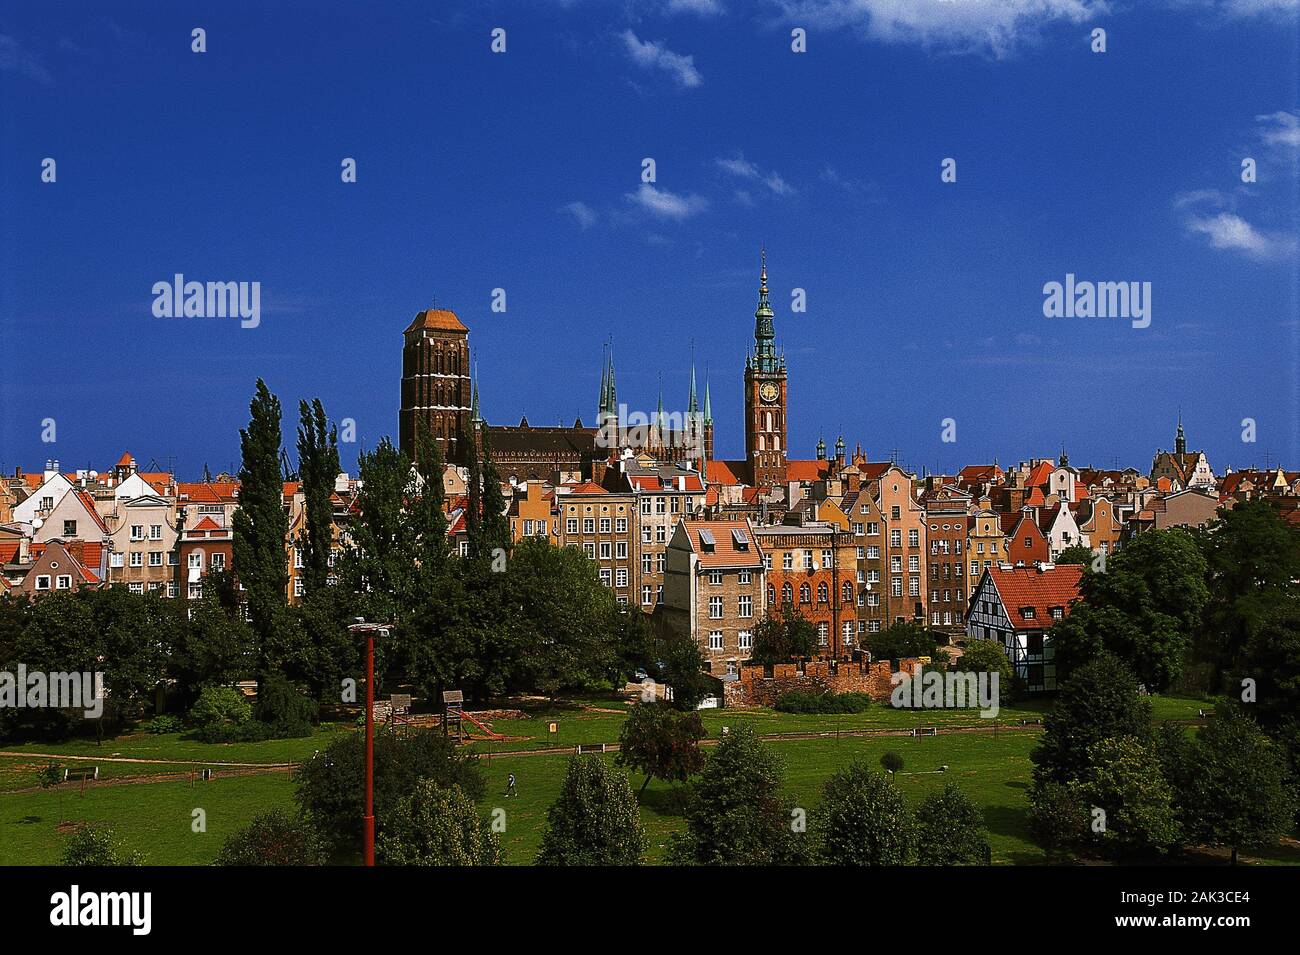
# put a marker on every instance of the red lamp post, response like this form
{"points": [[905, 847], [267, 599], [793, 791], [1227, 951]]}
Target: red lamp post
{"points": [[369, 630]]}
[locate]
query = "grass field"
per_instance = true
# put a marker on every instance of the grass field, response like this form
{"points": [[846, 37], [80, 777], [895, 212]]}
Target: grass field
{"points": [[155, 814]]}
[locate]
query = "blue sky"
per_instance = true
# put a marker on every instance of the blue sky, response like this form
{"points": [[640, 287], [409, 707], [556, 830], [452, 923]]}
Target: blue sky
{"points": [[522, 171]]}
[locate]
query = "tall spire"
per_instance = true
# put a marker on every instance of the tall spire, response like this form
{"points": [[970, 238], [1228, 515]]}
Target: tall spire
{"points": [[1180, 441], [692, 405], [708, 404], [604, 386], [474, 415], [764, 335]]}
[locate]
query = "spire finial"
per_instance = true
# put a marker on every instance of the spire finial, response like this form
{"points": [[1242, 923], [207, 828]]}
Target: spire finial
{"points": [[762, 272]]}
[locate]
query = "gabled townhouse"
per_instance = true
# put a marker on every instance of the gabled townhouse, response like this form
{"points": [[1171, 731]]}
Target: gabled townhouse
{"points": [[142, 534], [904, 545], [73, 517], [1099, 524], [603, 525], [63, 566], [715, 590], [663, 494], [44, 496], [813, 567], [868, 529], [1026, 542], [947, 532], [532, 513], [1017, 606], [986, 542], [1059, 527], [203, 548]]}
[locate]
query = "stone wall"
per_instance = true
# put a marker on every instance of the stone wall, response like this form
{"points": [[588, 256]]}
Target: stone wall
{"points": [[760, 685]]}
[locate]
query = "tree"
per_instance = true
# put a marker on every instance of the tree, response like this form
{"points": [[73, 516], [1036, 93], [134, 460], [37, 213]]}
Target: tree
{"points": [[902, 640], [1144, 608], [330, 789], [1076, 554], [987, 656], [1125, 783], [261, 526], [216, 647], [784, 635], [863, 820], [220, 706], [595, 821], [437, 825], [735, 814], [274, 837], [318, 468], [950, 830], [98, 846], [1100, 701], [1058, 817], [681, 665], [662, 743], [1253, 559], [1233, 791], [891, 762]]}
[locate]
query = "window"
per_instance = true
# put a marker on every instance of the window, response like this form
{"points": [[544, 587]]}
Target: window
{"points": [[620, 525], [787, 561], [136, 588], [715, 639], [605, 577], [589, 525], [787, 594], [647, 595], [715, 578], [715, 608], [873, 553], [620, 577], [807, 560], [155, 558], [895, 538], [155, 532], [895, 513], [846, 593], [914, 586], [805, 594], [218, 562], [823, 631], [647, 563], [896, 564], [823, 593], [913, 538], [605, 525], [69, 528], [297, 558], [63, 582], [914, 564], [647, 533], [620, 550], [746, 640], [136, 558], [896, 587], [604, 550], [873, 528], [115, 560], [571, 525], [745, 606], [745, 577], [590, 550]]}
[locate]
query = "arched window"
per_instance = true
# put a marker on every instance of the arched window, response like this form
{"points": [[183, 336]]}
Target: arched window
{"points": [[787, 594], [847, 591], [823, 592], [805, 594], [771, 596]]}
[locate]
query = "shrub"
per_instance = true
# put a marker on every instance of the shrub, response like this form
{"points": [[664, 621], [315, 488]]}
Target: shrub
{"points": [[950, 830], [281, 706], [437, 825], [96, 846], [596, 819], [863, 820], [274, 838], [892, 762], [797, 701], [220, 706], [1058, 817], [164, 724], [330, 784]]}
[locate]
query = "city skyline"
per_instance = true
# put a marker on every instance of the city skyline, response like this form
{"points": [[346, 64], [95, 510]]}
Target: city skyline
{"points": [[924, 298]]}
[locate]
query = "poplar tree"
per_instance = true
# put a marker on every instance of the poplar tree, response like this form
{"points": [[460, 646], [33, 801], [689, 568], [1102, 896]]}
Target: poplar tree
{"points": [[318, 467], [260, 560]]}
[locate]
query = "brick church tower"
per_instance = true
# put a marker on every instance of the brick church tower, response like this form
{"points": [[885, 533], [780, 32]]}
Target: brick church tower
{"points": [[436, 387], [765, 397]]}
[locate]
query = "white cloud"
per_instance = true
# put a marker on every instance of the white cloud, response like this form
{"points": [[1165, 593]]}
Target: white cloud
{"points": [[744, 169], [14, 59], [1281, 129], [1227, 230], [652, 55], [996, 27], [583, 213], [666, 205]]}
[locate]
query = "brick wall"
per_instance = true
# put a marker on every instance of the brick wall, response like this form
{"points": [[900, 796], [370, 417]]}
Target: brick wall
{"points": [[756, 688]]}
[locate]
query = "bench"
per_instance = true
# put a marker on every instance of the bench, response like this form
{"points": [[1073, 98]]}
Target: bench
{"points": [[81, 775], [925, 731], [590, 748]]}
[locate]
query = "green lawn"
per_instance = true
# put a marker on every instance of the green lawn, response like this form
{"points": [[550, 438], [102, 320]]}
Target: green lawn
{"points": [[155, 816]]}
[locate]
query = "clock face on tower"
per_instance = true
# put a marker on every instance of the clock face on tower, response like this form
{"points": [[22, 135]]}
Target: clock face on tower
{"points": [[768, 392]]}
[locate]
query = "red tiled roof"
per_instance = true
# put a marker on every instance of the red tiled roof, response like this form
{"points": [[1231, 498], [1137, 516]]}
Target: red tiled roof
{"points": [[979, 473], [587, 487], [88, 503], [724, 551], [1041, 473], [814, 470], [441, 319], [125, 460], [207, 524], [1035, 497], [720, 472], [1041, 589]]}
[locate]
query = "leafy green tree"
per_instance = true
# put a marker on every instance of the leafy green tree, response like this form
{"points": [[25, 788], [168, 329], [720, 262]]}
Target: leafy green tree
{"points": [[98, 846], [261, 526], [1144, 608], [736, 814], [784, 635], [318, 468], [863, 820], [681, 664], [220, 706], [1100, 701], [662, 743], [1271, 658], [950, 829], [437, 825], [595, 821], [905, 639], [1233, 789], [274, 837], [1076, 554], [891, 762], [988, 656], [1059, 817], [1253, 559], [215, 647], [1124, 782], [331, 784]]}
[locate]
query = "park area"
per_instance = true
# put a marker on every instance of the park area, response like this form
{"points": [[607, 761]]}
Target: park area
{"points": [[149, 786]]}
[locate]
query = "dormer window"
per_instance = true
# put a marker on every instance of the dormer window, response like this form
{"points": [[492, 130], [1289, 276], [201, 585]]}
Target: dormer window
{"points": [[1026, 613]]}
